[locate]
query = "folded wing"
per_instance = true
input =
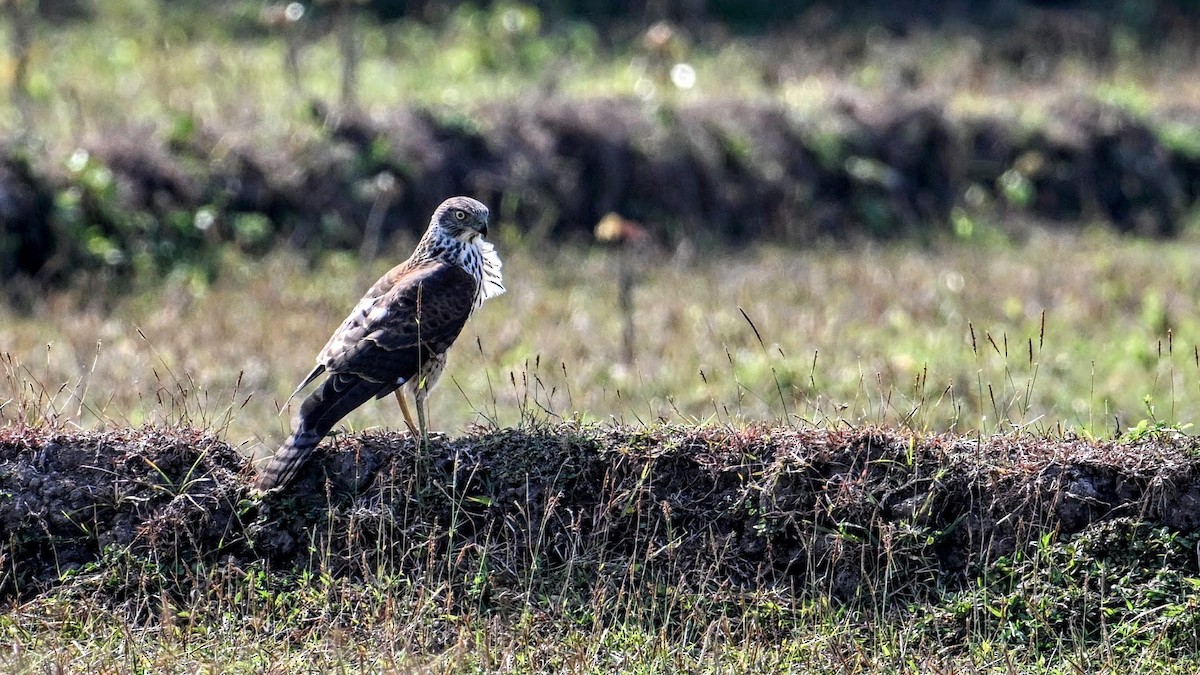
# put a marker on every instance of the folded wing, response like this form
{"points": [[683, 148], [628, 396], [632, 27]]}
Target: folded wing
{"points": [[411, 314]]}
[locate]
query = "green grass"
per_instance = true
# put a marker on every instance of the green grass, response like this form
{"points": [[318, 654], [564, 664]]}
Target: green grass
{"points": [[1092, 334], [143, 65], [273, 640]]}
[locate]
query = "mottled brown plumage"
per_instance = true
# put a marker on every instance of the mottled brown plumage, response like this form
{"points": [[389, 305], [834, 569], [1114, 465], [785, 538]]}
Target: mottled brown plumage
{"points": [[396, 338]]}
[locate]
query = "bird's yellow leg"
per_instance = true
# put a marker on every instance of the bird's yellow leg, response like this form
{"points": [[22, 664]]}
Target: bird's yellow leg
{"points": [[419, 399], [412, 429], [421, 416]]}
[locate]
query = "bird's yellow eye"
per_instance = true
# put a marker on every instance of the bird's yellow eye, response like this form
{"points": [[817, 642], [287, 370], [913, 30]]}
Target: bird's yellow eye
{"points": [[460, 215]]}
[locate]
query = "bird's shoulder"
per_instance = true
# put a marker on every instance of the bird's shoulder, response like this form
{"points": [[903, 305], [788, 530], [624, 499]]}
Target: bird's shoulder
{"points": [[416, 301], [436, 293], [405, 278]]}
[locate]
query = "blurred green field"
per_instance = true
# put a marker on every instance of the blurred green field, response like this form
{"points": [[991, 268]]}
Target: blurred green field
{"points": [[1091, 334], [153, 65]]}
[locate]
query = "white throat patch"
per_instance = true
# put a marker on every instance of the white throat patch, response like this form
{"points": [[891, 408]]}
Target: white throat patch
{"points": [[479, 259], [491, 283]]}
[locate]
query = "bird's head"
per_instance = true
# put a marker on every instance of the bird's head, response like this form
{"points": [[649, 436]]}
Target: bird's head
{"points": [[462, 218]]}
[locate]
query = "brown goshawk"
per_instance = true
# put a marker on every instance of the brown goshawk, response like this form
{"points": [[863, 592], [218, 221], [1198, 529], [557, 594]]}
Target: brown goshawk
{"points": [[396, 338]]}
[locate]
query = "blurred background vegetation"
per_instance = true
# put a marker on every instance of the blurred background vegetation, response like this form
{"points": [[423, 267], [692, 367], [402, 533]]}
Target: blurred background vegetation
{"points": [[142, 138], [957, 215]]}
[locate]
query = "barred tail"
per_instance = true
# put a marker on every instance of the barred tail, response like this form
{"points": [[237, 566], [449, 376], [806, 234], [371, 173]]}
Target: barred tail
{"points": [[337, 396], [288, 458]]}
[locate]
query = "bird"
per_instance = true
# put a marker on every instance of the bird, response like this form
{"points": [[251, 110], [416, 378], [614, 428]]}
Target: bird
{"points": [[396, 338]]}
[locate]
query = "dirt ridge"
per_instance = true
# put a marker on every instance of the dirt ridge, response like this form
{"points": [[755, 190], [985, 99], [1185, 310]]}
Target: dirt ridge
{"points": [[751, 507]]}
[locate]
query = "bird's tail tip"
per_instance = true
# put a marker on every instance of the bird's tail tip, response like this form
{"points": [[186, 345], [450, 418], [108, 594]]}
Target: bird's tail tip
{"points": [[288, 460]]}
